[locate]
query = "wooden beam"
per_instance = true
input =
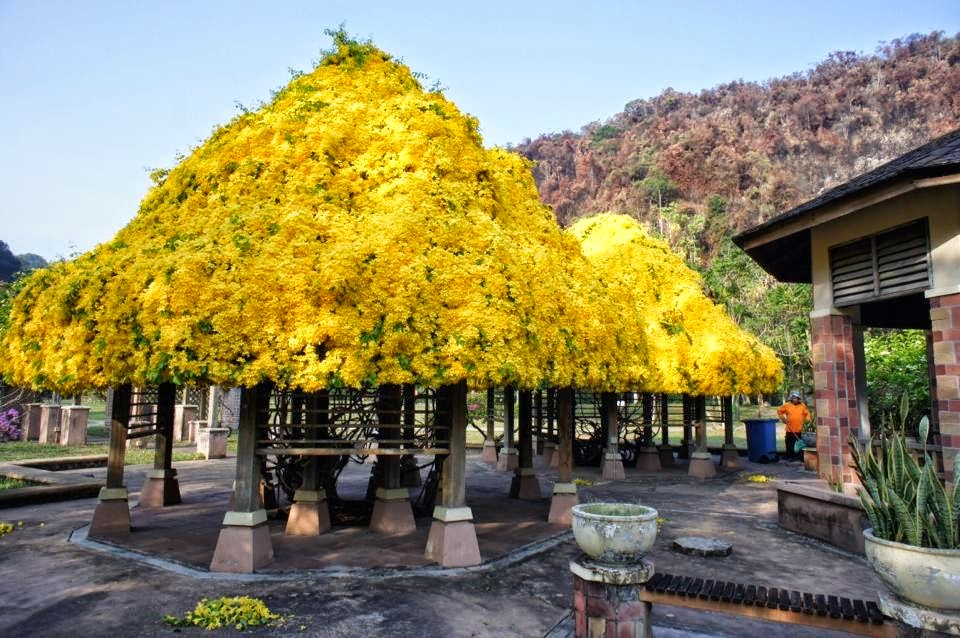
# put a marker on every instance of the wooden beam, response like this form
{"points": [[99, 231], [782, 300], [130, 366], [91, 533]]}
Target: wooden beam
{"points": [[119, 421], [525, 435], [454, 468], [254, 410], [163, 452], [565, 428]]}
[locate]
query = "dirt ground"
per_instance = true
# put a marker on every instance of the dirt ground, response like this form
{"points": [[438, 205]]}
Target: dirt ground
{"points": [[52, 587]]}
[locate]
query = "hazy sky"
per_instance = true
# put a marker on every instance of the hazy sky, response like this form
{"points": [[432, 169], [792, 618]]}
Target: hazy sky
{"points": [[92, 94]]}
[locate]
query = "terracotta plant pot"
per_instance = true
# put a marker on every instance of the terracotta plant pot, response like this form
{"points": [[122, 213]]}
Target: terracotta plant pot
{"points": [[619, 533], [922, 575]]}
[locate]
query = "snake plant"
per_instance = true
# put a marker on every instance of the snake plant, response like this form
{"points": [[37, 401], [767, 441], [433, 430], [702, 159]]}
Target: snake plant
{"points": [[905, 501]]}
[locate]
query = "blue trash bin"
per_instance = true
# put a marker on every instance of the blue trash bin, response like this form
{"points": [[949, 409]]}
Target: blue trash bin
{"points": [[762, 440]]}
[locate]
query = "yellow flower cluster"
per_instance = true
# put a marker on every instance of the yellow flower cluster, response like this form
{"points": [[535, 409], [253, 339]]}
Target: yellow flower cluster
{"points": [[694, 347], [353, 231], [356, 232], [238, 612]]}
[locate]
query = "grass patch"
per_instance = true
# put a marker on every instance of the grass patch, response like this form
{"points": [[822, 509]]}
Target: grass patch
{"points": [[21, 450], [8, 483]]}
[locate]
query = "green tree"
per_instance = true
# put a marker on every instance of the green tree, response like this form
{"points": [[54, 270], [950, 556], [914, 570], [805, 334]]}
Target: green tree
{"points": [[897, 364]]}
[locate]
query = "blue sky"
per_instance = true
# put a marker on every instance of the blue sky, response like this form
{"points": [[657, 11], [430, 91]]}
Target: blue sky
{"points": [[95, 93]]}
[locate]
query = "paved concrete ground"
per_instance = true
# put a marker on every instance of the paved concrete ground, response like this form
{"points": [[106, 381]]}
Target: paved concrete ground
{"points": [[52, 587]]}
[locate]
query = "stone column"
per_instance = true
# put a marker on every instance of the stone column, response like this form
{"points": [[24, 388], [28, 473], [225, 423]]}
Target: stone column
{"points": [[564, 490], [945, 318], [648, 456], [525, 485], [31, 421], [489, 454], [409, 472], [73, 425], [453, 538], [162, 488], [392, 512], [50, 424], [701, 461], [606, 599], [612, 469], [508, 461], [244, 543], [112, 514], [835, 391], [550, 438], [309, 514], [666, 450], [730, 457], [183, 415]]}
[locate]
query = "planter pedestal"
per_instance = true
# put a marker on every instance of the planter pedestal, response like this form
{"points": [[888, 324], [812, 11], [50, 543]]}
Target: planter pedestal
{"points": [[701, 465], [922, 619], [161, 489], [606, 599], [612, 469], [309, 515]]}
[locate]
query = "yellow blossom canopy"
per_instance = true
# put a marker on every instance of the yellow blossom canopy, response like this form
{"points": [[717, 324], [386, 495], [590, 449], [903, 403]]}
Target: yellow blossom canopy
{"points": [[353, 231], [694, 346]]}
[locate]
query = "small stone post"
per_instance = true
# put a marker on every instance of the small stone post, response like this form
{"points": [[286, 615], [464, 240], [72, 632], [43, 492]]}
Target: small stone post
{"points": [[508, 460], [701, 461], [730, 457], [564, 490], [31, 421], [112, 514], [666, 450], [162, 488], [244, 543], [453, 539], [612, 469], [183, 415], [489, 454], [606, 599], [648, 456], [525, 485], [50, 423], [73, 425]]}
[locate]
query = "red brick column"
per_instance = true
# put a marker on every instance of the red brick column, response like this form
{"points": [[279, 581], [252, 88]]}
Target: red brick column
{"points": [[835, 394], [606, 600], [945, 323]]}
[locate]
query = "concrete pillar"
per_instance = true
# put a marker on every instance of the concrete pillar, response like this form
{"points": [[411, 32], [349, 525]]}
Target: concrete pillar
{"points": [[50, 424], [612, 468], [945, 321], [564, 490], [73, 425], [182, 416], [162, 488], [112, 515], [31, 421], [730, 456], [701, 461], [648, 456], [453, 538], [244, 544], [508, 460], [525, 485], [489, 454], [835, 392]]}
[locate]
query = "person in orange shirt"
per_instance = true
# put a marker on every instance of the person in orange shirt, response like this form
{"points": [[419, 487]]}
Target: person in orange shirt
{"points": [[795, 415]]}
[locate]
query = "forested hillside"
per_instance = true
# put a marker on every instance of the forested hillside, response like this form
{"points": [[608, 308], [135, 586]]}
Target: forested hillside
{"points": [[731, 156]]}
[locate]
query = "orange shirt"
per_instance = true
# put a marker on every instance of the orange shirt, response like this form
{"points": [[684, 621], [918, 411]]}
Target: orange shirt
{"points": [[796, 415]]}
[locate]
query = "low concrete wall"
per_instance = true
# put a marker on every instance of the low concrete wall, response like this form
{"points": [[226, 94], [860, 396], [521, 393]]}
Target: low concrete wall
{"points": [[811, 508]]}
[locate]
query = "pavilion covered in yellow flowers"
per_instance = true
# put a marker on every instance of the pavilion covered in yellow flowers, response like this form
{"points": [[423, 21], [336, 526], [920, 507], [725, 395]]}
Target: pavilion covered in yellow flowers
{"points": [[353, 257]]}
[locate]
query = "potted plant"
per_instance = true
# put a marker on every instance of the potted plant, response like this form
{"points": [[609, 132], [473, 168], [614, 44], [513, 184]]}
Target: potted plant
{"points": [[914, 539], [809, 434]]}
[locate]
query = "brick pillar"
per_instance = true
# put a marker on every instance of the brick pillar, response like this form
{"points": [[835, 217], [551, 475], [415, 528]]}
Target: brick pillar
{"points": [[945, 324], [834, 382]]}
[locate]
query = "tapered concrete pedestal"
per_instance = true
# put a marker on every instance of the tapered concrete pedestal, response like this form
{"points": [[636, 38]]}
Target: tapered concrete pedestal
{"points": [[701, 465], [549, 447], [111, 517], [666, 456], [509, 460], [648, 459], [555, 458], [612, 467], [489, 453], [453, 539], [392, 513], [606, 599], [730, 458], [409, 472], [161, 489], [244, 543], [564, 498], [525, 485], [309, 515]]}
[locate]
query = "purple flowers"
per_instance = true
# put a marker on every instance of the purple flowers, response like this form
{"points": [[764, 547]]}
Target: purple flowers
{"points": [[9, 421]]}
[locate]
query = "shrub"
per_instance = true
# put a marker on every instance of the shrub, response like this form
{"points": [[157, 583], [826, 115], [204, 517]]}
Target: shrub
{"points": [[239, 612]]}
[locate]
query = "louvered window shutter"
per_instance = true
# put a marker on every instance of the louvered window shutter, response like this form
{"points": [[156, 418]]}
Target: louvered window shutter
{"points": [[887, 264]]}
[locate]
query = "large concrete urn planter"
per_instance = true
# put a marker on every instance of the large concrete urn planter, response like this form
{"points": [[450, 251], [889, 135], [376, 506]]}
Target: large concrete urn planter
{"points": [[616, 533], [922, 575]]}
